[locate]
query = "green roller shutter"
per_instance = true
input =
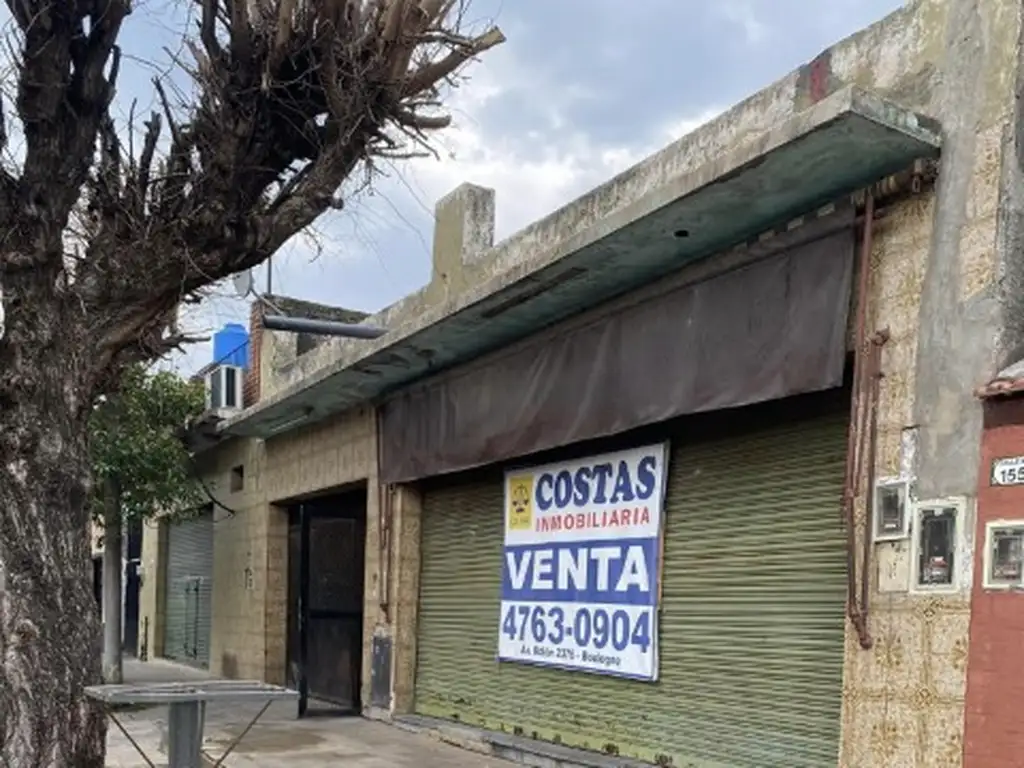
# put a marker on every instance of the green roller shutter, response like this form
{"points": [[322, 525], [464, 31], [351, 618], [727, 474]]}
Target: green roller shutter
{"points": [[189, 590], [752, 614]]}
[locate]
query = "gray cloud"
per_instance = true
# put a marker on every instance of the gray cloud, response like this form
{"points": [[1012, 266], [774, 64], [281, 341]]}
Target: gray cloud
{"points": [[582, 89]]}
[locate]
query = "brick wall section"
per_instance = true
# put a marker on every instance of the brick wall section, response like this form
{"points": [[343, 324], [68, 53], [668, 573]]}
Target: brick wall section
{"points": [[993, 728], [251, 386]]}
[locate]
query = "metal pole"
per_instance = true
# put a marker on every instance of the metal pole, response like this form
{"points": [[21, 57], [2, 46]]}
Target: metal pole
{"points": [[322, 327], [303, 608], [185, 735]]}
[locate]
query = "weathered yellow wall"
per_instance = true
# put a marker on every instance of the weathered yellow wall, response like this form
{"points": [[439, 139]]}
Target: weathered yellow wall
{"points": [[238, 632], [151, 600], [904, 698]]}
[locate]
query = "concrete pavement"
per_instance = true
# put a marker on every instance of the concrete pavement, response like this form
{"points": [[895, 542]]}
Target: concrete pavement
{"points": [[280, 739]]}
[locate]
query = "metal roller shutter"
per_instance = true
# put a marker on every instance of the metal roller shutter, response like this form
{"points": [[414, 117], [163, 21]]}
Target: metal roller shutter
{"points": [[189, 590], [752, 618]]}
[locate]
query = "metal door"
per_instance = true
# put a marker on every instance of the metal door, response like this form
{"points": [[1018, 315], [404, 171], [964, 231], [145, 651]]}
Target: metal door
{"points": [[328, 540], [132, 586], [752, 615], [189, 590]]}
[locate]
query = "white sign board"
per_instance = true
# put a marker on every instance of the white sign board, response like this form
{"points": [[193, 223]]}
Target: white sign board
{"points": [[1008, 471], [582, 562]]}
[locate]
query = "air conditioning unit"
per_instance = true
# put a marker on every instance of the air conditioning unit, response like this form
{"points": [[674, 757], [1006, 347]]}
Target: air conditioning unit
{"points": [[224, 388]]}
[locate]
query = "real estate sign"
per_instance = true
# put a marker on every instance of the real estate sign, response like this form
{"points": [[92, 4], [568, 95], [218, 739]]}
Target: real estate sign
{"points": [[582, 563]]}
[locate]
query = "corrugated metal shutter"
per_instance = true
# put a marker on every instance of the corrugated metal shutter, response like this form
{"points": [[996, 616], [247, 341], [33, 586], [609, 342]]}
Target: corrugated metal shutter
{"points": [[189, 590], [752, 617]]}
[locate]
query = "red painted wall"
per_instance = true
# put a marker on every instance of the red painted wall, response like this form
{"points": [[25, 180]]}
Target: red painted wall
{"points": [[994, 717]]}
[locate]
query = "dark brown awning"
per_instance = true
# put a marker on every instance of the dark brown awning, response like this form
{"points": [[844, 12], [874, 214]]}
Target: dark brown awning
{"points": [[771, 329]]}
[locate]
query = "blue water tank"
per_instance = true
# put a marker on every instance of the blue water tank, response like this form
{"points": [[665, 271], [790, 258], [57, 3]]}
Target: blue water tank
{"points": [[231, 346]]}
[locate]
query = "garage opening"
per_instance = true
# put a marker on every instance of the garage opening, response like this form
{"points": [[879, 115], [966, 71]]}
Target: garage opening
{"points": [[189, 590]]}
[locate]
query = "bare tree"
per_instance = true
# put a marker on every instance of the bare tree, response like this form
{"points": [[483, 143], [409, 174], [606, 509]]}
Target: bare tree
{"points": [[294, 96]]}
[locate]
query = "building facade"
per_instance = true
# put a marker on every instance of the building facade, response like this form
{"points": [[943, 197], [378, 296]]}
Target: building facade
{"points": [[738, 381]]}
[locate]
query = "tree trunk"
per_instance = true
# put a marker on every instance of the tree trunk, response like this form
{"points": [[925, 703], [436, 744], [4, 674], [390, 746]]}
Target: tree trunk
{"points": [[113, 543], [49, 632]]}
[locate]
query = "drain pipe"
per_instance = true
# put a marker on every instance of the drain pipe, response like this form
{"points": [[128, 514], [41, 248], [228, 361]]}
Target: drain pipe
{"points": [[875, 375], [856, 434]]}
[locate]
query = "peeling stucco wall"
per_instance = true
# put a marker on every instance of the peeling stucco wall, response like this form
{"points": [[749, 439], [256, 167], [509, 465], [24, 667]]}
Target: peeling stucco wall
{"points": [[279, 350], [936, 264]]}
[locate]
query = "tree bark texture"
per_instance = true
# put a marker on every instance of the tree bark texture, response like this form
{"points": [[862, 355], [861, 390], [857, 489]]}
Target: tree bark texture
{"points": [[101, 248], [113, 568], [49, 638]]}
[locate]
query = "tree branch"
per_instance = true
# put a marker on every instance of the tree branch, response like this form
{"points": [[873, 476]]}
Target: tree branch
{"points": [[63, 93], [431, 74], [319, 86], [422, 122]]}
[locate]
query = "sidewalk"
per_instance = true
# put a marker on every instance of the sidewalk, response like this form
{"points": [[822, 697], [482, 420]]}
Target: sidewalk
{"points": [[280, 740]]}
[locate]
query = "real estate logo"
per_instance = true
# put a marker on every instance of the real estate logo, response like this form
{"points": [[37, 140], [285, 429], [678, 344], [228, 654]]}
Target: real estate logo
{"points": [[520, 503]]}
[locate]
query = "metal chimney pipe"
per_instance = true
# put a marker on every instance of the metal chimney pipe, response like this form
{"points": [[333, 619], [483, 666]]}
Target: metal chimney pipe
{"points": [[322, 327]]}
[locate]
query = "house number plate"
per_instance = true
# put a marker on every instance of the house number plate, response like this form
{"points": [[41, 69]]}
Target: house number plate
{"points": [[1008, 471]]}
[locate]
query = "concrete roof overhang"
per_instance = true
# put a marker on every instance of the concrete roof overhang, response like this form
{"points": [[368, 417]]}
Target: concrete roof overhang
{"points": [[842, 143]]}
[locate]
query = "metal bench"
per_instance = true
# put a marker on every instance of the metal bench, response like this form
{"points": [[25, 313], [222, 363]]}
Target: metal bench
{"points": [[186, 704]]}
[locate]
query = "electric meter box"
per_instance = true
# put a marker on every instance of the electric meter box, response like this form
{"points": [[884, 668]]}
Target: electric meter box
{"points": [[1004, 555], [891, 510], [937, 544]]}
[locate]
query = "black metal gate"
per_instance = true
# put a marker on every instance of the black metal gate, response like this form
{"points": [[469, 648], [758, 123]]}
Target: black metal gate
{"points": [[327, 541]]}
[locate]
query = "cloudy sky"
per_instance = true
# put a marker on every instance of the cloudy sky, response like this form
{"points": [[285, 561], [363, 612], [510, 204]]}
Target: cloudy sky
{"points": [[581, 90]]}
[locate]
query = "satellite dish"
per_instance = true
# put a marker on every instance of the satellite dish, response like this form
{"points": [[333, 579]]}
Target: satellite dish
{"points": [[243, 283]]}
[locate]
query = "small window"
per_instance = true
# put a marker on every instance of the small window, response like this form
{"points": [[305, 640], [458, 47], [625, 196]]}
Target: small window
{"points": [[936, 545], [890, 510], [237, 478], [1004, 554]]}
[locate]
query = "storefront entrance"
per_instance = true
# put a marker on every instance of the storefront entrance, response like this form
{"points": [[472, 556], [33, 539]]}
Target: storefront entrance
{"points": [[751, 615], [327, 539]]}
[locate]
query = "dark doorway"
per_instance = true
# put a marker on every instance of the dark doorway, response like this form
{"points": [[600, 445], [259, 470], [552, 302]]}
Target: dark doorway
{"points": [[132, 587], [327, 540], [97, 583]]}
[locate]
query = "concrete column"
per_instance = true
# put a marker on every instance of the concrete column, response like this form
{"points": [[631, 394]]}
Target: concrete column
{"points": [[463, 228], [405, 568], [151, 595], [276, 596], [375, 578]]}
